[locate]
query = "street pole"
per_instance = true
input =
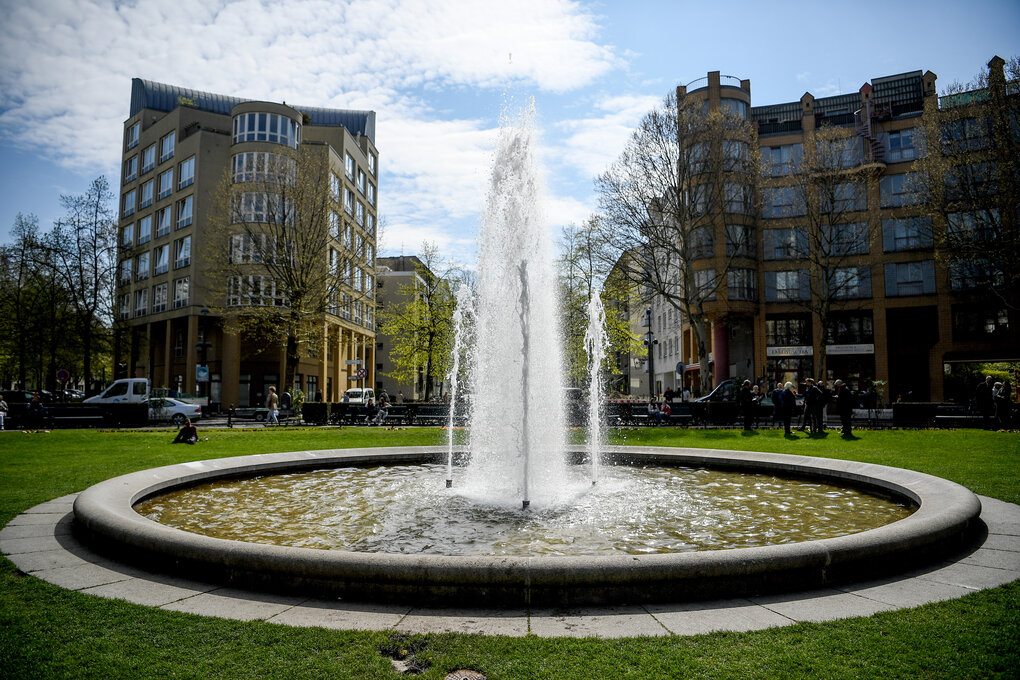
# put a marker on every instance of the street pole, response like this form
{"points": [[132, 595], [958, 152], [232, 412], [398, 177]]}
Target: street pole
{"points": [[650, 343]]}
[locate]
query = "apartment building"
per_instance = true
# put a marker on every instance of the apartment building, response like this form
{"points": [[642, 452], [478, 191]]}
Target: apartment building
{"points": [[183, 151], [895, 314]]}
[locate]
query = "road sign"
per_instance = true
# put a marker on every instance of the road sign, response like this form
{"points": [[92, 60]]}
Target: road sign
{"points": [[354, 362], [362, 373], [680, 367], [202, 373], [63, 375]]}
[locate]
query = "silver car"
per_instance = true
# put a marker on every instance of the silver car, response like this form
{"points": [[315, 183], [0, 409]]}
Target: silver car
{"points": [[167, 409]]}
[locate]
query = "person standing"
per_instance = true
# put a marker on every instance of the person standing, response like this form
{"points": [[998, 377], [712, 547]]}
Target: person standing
{"points": [[813, 407], [845, 402], [745, 399], [273, 404], [777, 404], [400, 396], [3, 411], [1003, 404], [984, 400], [789, 400]]}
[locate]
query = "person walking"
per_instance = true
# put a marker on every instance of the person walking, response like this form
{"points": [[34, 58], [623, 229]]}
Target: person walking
{"points": [[984, 400], [745, 399], [789, 401], [273, 404], [845, 403]]}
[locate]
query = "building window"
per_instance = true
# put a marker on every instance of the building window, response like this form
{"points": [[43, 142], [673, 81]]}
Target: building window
{"points": [[785, 244], [701, 243], [182, 252], [184, 210], [369, 254], [130, 169], [845, 239], [124, 306], [166, 147], [780, 161], [737, 198], [852, 328], [978, 272], [142, 267], [254, 207], [850, 283], [148, 158], [739, 241], [785, 286], [969, 134], [972, 181], [159, 295], [788, 331], [907, 233], [186, 176], [129, 203], [334, 186], [163, 221], [975, 226], [166, 183], [127, 235], [843, 197], [361, 181], [371, 163], [742, 284], [980, 324], [132, 135], [349, 167], [910, 278], [782, 202], [262, 166], [144, 229], [345, 306], [125, 271], [145, 199], [839, 154], [182, 292], [266, 127], [359, 213], [254, 291], [896, 190], [705, 283], [899, 146], [349, 201], [141, 302], [736, 155], [370, 223], [334, 224], [734, 107], [161, 259]]}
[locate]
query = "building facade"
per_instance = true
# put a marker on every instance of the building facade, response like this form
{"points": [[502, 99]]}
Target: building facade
{"points": [[183, 151], [864, 296]]}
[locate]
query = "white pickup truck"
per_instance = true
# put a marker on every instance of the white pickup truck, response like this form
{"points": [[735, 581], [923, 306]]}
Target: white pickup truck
{"points": [[125, 391]]}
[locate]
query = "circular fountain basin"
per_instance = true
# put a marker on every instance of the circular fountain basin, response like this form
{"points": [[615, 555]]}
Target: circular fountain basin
{"points": [[946, 516]]}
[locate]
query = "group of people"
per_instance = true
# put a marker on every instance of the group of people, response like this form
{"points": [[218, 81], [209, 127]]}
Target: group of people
{"points": [[995, 402], [816, 397], [659, 412]]}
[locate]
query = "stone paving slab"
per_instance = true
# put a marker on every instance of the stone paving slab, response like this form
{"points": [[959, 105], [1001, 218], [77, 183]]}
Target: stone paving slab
{"points": [[61, 505], [697, 618], [821, 605], [241, 605], [902, 593], [342, 616], [997, 559], [487, 621], [16, 546], [82, 576], [973, 576], [1001, 542], [12, 531], [603, 622], [46, 559], [45, 518], [150, 593]]}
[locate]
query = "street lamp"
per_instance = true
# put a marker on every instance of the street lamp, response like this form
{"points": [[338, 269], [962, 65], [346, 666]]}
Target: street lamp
{"points": [[650, 343], [203, 350]]}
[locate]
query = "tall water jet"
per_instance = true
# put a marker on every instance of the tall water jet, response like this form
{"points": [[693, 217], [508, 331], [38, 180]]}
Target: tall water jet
{"points": [[517, 438], [461, 329], [595, 344]]}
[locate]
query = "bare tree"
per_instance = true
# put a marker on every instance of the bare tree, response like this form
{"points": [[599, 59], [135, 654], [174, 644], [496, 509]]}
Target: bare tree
{"points": [[818, 217], [288, 256], [81, 253], [969, 181], [665, 197]]}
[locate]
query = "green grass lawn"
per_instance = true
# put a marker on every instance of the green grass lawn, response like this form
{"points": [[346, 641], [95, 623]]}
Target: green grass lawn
{"points": [[48, 632]]}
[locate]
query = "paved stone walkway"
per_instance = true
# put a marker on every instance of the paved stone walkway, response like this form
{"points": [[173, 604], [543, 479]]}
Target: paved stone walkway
{"points": [[40, 543]]}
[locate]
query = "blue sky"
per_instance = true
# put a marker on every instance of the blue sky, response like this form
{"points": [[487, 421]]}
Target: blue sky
{"points": [[438, 73]]}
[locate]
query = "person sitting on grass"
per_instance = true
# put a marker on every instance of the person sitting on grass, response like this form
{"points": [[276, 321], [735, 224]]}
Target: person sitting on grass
{"points": [[187, 435]]}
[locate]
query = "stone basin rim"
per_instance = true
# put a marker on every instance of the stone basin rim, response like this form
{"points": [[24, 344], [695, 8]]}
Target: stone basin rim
{"points": [[946, 516]]}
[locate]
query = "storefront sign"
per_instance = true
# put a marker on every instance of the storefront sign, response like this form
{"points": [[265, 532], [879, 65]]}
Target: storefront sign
{"points": [[795, 351], [850, 349]]}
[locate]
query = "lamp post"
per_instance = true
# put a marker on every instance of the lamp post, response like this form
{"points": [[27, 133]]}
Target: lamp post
{"points": [[203, 350], [650, 343]]}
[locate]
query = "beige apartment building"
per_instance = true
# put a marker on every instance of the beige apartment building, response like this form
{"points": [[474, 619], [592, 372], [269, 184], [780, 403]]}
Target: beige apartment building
{"points": [[180, 147], [903, 319]]}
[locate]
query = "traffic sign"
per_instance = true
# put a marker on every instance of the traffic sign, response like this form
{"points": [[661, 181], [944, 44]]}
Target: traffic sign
{"points": [[680, 367], [362, 373], [63, 375]]}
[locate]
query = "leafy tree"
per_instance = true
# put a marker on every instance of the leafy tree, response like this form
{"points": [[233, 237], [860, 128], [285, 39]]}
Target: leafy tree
{"points": [[288, 257], [420, 324], [969, 181], [681, 172], [819, 218]]}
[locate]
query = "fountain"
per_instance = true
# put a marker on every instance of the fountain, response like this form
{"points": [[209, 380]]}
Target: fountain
{"points": [[462, 322], [520, 474], [595, 344]]}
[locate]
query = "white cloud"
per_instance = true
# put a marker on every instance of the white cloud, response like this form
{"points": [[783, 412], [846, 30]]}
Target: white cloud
{"points": [[67, 66]]}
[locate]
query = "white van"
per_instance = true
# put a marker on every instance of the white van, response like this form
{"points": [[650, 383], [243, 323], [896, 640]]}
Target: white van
{"points": [[126, 391], [360, 395]]}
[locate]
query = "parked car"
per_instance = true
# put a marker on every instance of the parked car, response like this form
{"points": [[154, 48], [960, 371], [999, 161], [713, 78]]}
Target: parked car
{"points": [[260, 413], [165, 408], [359, 395]]}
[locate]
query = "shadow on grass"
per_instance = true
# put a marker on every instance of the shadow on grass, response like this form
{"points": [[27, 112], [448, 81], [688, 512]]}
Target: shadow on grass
{"points": [[749, 433]]}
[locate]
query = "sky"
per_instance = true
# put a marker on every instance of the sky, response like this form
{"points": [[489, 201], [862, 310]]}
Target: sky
{"points": [[439, 74]]}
